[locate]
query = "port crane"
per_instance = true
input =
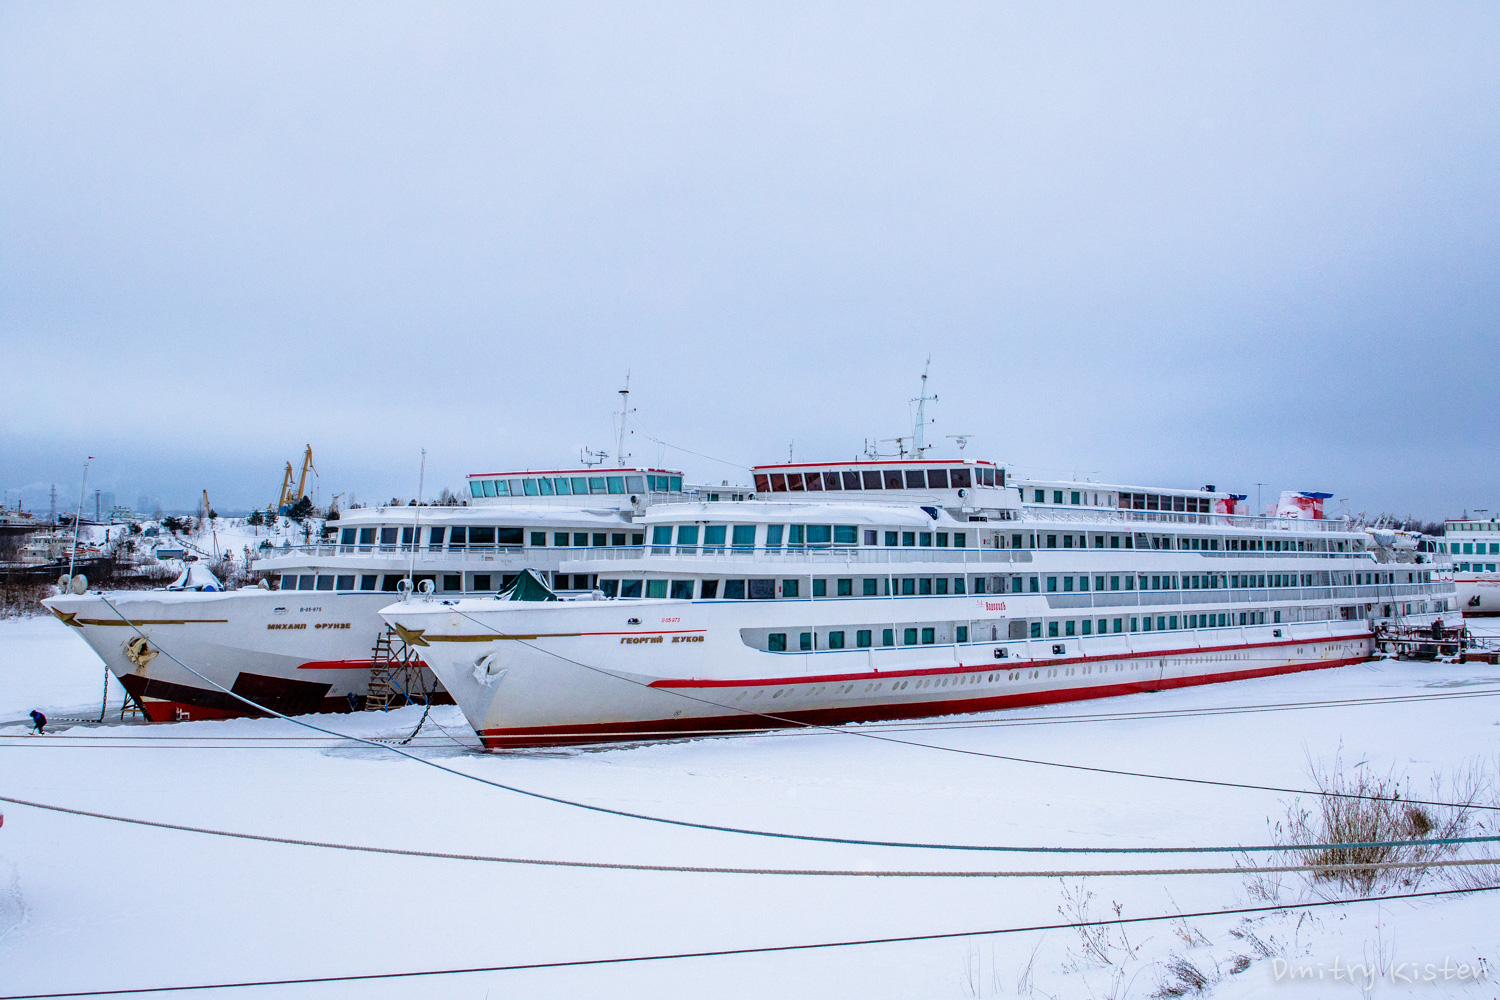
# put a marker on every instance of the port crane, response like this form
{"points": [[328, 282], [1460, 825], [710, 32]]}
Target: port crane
{"points": [[289, 499]]}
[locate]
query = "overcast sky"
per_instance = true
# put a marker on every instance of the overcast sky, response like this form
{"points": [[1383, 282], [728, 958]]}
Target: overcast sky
{"points": [[1173, 245]]}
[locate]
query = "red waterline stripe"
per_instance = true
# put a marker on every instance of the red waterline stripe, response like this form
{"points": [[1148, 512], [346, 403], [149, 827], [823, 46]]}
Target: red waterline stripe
{"points": [[605, 732], [335, 665], [992, 664]]}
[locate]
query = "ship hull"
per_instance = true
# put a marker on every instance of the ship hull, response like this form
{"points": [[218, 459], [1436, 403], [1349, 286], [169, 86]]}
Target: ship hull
{"points": [[583, 674], [1478, 596], [292, 652]]}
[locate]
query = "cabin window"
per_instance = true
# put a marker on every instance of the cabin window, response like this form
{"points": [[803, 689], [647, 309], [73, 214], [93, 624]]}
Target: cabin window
{"points": [[776, 642], [862, 638], [1051, 584], [819, 534], [762, 590], [387, 537], [366, 582], [805, 641], [656, 588], [794, 535], [789, 588], [890, 538], [773, 535], [630, 588], [539, 539], [345, 583], [713, 536], [734, 590], [887, 637], [820, 588], [1052, 630], [682, 590], [835, 640], [1036, 630], [847, 534], [661, 535], [908, 538], [870, 587], [1086, 626], [909, 637], [961, 633], [908, 586], [482, 582], [924, 586], [846, 588], [559, 538], [687, 534], [744, 536], [347, 536], [929, 636], [1041, 496], [958, 584], [709, 590], [942, 539]]}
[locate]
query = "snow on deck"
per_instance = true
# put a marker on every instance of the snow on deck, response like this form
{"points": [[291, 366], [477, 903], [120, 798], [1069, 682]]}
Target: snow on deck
{"points": [[90, 904]]}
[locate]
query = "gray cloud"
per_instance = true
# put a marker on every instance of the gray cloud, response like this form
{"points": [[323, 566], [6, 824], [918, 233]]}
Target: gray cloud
{"points": [[1166, 243]]}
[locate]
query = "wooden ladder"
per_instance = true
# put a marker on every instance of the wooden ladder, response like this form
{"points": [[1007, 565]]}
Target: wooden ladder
{"points": [[385, 659]]}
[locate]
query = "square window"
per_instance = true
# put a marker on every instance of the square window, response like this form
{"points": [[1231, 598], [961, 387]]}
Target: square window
{"points": [[835, 640], [958, 584], [1118, 623], [1067, 628], [345, 583], [1036, 630], [804, 641], [890, 538], [367, 581], [924, 586], [893, 479], [325, 583], [846, 588], [709, 590], [1052, 630], [734, 590], [862, 638], [961, 633], [762, 590], [1041, 496], [942, 585], [871, 479], [539, 539], [871, 536], [929, 636], [1057, 496], [453, 581], [887, 637], [630, 588], [776, 642], [1086, 626], [924, 539], [1033, 588], [915, 480], [713, 536], [851, 481], [1068, 583], [937, 479], [909, 637], [773, 535], [1051, 584], [743, 536], [656, 589], [682, 590], [908, 586], [870, 587], [908, 538], [820, 588], [559, 538], [789, 588]]}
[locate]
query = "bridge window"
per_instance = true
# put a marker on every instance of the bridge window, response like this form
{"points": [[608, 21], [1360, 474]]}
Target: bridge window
{"points": [[937, 479], [959, 479], [851, 480]]}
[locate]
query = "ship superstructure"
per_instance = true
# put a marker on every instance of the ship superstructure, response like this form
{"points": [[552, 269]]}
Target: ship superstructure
{"points": [[1473, 546]]}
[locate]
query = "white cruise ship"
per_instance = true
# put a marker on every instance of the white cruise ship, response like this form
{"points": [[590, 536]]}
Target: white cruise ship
{"points": [[859, 591], [1473, 545], [310, 641]]}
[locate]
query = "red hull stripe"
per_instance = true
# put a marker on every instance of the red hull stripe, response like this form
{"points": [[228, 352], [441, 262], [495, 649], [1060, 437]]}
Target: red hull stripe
{"points": [[990, 665], [335, 665], [606, 732]]}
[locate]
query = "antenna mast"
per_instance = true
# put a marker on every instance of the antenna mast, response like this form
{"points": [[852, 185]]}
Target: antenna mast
{"points": [[918, 447], [620, 431]]}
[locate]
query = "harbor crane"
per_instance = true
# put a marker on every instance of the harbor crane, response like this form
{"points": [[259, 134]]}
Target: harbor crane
{"points": [[289, 499]]}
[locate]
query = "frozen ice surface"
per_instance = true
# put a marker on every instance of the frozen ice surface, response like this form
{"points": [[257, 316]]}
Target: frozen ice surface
{"points": [[91, 904]]}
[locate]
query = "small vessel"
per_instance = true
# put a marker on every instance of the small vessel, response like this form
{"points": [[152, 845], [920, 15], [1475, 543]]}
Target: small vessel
{"points": [[1473, 545], [897, 589]]}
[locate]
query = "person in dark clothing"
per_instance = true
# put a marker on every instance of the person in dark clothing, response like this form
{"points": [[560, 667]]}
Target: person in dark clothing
{"points": [[39, 720]]}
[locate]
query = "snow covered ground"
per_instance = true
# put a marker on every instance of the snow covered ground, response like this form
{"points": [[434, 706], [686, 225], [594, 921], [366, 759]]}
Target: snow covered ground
{"points": [[88, 904]]}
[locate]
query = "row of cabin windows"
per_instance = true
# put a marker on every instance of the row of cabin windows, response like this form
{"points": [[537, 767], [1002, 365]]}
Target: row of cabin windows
{"points": [[1469, 548], [1184, 543], [1074, 497], [771, 589], [479, 537], [925, 635], [879, 479], [391, 582], [743, 536], [1475, 567], [1157, 501], [1185, 581], [562, 486]]}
